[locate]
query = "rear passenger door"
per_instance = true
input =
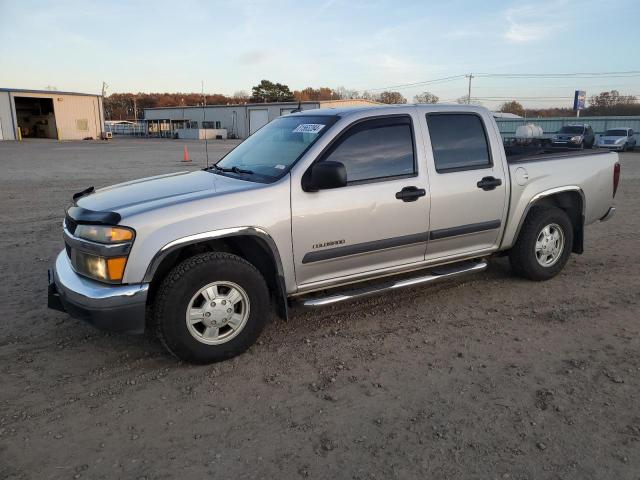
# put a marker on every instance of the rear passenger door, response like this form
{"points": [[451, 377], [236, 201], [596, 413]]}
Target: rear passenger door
{"points": [[468, 184]]}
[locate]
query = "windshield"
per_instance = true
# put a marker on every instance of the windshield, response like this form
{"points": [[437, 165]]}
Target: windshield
{"points": [[573, 130], [271, 151], [615, 133]]}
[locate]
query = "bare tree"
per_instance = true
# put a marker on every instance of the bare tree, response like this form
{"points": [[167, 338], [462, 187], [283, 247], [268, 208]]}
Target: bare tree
{"points": [[426, 97], [391, 98], [367, 95], [346, 93], [513, 107], [611, 103], [464, 100], [240, 96]]}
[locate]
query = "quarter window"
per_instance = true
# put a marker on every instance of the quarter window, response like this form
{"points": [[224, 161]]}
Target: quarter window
{"points": [[459, 141], [376, 149]]}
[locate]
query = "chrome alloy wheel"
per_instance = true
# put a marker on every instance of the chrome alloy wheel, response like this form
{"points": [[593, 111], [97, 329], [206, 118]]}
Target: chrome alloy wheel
{"points": [[549, 245], [217, 312]]}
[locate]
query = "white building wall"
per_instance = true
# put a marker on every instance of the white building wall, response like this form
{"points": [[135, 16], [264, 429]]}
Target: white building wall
{"points": [[74, 113], [6, 116], [77, 116], [233, 118]]}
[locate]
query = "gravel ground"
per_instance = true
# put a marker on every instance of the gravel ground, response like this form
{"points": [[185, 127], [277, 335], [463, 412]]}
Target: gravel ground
{"points": [[491, 377]]}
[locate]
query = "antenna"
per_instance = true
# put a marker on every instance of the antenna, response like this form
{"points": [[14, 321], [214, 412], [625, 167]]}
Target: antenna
{"points": [[299, 109], [204, 117]]}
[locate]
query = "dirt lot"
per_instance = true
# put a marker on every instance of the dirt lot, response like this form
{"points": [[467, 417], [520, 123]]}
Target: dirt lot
{"points": [[491, 377]]}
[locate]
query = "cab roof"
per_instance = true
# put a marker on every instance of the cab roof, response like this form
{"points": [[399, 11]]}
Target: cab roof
{"points": [[345, 111]]}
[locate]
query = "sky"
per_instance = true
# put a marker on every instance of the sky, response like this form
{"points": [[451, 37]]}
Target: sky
{"points": [[139, 46]]}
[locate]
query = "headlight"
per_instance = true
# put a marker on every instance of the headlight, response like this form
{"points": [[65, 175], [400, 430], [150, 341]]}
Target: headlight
{"points": [[620, 140], [105, 258], [576, 139], [104, 269], [104, 234]]}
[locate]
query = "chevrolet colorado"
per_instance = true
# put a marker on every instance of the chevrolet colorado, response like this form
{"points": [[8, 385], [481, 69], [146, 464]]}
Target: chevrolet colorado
{"points": [[321, 207]]}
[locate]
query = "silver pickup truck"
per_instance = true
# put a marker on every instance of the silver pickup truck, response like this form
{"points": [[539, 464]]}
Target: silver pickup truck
{"points": [[320, 207]]}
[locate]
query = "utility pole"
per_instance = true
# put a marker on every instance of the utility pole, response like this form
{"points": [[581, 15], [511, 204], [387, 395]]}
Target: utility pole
{"points": [[470, 76]]}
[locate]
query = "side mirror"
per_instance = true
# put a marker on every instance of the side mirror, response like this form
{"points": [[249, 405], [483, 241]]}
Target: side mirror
{"points": [[326, 175]]}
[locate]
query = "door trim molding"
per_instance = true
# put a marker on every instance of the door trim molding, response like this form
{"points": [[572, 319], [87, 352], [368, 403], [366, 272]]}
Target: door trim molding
{"points": [[464, 229], [365, 247]]}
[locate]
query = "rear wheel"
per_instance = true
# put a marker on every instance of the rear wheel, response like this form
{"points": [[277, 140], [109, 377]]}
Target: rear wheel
{"points": [[211, 307], [544, 244]]}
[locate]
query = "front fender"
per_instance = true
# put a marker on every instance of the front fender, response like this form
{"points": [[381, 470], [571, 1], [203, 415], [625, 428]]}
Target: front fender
{"points": [[214, 235]]}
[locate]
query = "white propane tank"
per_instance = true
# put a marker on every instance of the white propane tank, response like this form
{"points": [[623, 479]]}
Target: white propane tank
{"points": [[529, 130]]}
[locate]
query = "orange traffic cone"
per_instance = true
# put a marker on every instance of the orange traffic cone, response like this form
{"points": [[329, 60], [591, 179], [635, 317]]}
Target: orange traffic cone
{"points": [[185, 155]]}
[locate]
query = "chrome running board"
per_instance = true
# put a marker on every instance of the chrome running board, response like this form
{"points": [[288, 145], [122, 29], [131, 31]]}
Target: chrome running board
{"points": [[445, 272]]}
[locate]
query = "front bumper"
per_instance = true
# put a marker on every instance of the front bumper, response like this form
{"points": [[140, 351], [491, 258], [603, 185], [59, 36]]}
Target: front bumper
{"points": [[116, 308], [563, 144], [610, 146]]}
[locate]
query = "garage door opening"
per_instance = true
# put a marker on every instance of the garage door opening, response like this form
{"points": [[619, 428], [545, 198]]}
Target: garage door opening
{"points": [[36, 118]]}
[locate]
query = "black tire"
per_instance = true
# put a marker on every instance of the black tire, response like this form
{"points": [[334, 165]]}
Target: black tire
{"points": [[184, 281], [523, 255]]}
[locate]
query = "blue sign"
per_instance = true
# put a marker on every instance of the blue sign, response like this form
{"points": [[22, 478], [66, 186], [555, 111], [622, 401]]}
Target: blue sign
{"points": [[579, 99]]}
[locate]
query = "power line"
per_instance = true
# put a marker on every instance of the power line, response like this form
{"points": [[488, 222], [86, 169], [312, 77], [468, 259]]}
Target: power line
{"points": [[625, 74], [630, 73], [426, 82]]}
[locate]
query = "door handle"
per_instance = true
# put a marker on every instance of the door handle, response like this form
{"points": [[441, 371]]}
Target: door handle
{"points": [[410, 194], [489, 183]]}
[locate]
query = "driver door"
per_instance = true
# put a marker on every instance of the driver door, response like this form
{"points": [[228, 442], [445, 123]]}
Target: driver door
{"points": [[379, 219]]}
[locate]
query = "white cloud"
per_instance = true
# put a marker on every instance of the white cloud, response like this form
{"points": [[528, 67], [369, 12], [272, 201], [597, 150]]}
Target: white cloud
{"points": [[530, 23]]}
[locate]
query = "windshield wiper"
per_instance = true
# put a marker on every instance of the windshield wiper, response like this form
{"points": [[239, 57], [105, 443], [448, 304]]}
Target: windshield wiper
{"points": [[233, 169]]}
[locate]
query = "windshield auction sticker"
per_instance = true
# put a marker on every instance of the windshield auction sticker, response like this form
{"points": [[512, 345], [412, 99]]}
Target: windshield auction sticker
{"points": [[308, 128]]}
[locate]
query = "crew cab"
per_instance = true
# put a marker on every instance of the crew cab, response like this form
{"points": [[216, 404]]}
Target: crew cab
{"points": [[320, 207]]}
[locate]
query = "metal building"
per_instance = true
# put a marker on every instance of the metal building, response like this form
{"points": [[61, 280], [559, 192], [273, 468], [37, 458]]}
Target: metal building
{"points": [[239, 121], [50, 114]]}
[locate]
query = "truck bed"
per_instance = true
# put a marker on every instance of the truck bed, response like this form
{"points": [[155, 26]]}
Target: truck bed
{"points": [[540, 155]]}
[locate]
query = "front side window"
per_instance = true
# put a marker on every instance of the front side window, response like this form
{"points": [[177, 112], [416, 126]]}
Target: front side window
{"points": [[459, 141], [572, 129], [271, 151], [376, 149]]}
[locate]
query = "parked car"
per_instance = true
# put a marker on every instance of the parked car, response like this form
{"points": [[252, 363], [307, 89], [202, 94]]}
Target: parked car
{"points": [[309, 207], [574, 136], [618, 139]]}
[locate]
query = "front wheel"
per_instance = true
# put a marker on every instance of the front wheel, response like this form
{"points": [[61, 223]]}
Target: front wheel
{"points": [[544, 244], [211, 307]]}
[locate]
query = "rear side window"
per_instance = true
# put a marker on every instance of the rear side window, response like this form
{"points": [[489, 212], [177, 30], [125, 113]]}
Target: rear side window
{"points": [[459, 141], [376, 149]]}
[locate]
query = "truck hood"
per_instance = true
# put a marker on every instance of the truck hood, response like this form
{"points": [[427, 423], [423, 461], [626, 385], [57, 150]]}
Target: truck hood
{"points": [[133, 197]]}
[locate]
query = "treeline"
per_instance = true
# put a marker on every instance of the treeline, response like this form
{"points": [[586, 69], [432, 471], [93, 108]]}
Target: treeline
{"points": [[610, 103], [130, 106]]}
